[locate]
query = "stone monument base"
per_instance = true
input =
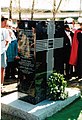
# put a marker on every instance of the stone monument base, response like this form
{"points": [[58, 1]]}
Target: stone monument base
{"points": [[12, 105]]}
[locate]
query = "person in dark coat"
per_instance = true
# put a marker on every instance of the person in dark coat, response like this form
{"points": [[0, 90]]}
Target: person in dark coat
{"points": [[68, 37]]}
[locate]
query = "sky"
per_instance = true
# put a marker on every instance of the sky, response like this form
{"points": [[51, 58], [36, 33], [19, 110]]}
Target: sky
{"points": [[44, 4]]}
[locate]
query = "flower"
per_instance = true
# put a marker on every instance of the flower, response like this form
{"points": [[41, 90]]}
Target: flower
{"points": [[56, 87]]}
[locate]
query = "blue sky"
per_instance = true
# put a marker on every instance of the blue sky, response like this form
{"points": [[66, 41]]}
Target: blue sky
{"points": [[45, 4]]}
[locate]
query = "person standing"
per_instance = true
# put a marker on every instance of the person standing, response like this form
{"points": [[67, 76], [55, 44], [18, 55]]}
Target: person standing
{"points": [[5, 40], [12, 52], [76, 51], [68, 36]]}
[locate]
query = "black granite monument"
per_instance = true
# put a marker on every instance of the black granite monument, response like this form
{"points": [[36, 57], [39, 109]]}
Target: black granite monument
{"points": [[36, 50], [32, 64]]}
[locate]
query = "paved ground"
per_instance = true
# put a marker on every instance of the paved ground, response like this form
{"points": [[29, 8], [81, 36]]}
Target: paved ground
{"points": [[75, 82], [10, 85]]}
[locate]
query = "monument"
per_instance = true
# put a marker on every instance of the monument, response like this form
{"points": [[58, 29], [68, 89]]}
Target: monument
{"points": [[36, 51]]}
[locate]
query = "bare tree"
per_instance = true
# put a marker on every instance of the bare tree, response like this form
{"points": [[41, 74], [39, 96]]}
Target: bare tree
{"points": [[10, 10], [32, 11], [54, 9], [19, 10], [58, 6]]}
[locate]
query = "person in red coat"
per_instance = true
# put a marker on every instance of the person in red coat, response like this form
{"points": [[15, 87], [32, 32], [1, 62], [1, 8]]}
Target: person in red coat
{"points": [[76, 51]]}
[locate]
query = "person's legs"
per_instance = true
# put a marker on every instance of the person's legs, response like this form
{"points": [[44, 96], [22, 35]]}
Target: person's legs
{"points": [[3, 65], [8, 71], [12, 69], [67, 69], [2, 75]]}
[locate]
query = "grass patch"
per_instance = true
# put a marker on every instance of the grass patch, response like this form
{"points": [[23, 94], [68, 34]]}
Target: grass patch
{"points": [[71, 112]]}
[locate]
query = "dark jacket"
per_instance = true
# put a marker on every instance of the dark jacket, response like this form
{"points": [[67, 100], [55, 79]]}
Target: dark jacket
{"points": [[67, 46]]}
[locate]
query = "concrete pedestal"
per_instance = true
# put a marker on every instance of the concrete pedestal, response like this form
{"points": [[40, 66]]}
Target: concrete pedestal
{"points": [[12, 105]]}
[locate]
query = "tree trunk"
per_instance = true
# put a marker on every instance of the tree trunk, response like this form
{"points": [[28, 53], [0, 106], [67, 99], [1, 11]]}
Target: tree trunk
{"points": [[32, 11], [19, 10], [54, 9], [10, 10]]}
